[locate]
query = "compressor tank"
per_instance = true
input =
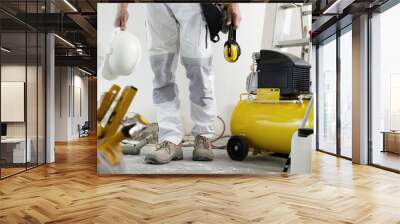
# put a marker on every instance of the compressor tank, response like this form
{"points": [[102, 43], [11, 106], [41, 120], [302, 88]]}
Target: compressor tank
{"points": [[269, 125]]}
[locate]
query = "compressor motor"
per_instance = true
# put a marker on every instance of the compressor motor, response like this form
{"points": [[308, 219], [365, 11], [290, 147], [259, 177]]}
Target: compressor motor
{"points": [[279, 70]]}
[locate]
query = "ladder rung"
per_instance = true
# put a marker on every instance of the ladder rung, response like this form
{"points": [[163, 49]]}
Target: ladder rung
{"points": [[292, 43], [289, 6]]}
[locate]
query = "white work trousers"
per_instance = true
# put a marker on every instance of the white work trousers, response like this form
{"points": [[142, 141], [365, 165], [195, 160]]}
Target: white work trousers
{"points": [[173, 28]]}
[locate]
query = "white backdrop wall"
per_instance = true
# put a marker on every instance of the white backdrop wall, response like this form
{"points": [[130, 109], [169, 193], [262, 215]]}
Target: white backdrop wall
{"points": [[229, 78], [69, 85]]}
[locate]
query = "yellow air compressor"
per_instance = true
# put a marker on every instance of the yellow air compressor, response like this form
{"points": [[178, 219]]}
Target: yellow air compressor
{"points": [[278, 104]]}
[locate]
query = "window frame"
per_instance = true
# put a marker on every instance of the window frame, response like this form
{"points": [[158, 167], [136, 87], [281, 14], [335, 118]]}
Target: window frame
{"points": [[333, 37]]}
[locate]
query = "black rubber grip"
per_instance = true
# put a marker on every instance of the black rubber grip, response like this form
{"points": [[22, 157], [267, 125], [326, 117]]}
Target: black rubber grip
{"points": [[305, 132]]}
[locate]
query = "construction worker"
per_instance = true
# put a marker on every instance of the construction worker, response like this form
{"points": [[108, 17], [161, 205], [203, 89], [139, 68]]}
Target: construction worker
{"points": [[173, 29]]}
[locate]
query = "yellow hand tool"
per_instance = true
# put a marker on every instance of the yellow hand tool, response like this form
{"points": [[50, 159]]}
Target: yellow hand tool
{"points": [[105, 105], [114, 121], [110, 149], [109, 152]]}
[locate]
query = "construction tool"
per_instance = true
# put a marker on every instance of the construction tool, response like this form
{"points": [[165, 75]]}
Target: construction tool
{"points": [[110, 136]]}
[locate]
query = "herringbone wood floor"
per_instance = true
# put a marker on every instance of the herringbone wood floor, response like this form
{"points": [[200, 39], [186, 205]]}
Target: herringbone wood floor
{"points": [[69, 191]]}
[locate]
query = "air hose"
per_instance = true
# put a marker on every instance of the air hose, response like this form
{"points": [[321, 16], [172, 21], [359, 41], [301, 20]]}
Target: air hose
{"points": [[220, 136]]}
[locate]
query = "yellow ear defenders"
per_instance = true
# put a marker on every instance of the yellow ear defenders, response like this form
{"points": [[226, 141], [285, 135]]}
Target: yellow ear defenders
{"points": [[231, 47]]}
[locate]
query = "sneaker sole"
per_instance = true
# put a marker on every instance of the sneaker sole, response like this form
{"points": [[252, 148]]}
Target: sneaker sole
{"points": [[152, 160], [202, 159], [201, 156]]}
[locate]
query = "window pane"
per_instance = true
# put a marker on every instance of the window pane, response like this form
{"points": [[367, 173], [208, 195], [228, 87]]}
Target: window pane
{"points": [[327, 97], [41, 99], [31, 97], [23, 89], [14, 153], [346, 94], [385, 84]]}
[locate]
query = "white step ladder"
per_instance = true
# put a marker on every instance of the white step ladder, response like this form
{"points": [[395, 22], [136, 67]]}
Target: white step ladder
{"points": [[290, 32]]}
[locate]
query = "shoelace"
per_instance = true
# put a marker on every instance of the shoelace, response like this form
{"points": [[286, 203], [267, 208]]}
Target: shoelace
{"points": [[203, 140], [164, 145]]}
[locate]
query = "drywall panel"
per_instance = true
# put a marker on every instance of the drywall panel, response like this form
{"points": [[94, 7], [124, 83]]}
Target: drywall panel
{"points": [[12, 101]]}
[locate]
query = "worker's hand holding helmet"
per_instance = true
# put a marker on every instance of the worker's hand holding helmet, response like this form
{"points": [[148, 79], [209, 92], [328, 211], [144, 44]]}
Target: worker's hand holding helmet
{"points": [[124, 51], [122, 16], [233, 15]]}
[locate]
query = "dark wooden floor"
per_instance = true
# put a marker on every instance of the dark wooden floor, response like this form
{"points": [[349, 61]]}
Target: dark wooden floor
{"points": [[69, 191]]}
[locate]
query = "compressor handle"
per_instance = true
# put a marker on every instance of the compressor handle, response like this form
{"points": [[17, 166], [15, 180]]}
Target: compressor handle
{"points": [[308, 111]]}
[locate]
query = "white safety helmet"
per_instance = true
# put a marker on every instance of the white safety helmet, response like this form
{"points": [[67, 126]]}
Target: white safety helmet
{"points": [[124, 54]]}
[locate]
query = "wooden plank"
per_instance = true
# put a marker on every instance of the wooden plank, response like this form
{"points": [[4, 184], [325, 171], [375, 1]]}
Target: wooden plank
{"points": [[70, 191]]}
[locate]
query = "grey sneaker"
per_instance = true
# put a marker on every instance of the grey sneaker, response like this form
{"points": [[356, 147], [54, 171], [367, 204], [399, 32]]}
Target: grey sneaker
{"points": [[202, 149], [129, 149], [164, 153]]}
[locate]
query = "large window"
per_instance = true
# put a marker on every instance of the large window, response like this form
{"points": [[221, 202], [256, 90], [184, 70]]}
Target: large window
{"points": [[385, 89], [335, 97], [22, 77], [327, 96], [334, 62]]}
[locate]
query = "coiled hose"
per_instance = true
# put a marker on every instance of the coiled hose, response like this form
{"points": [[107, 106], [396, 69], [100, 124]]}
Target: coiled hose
{"points": [[220, 136]]}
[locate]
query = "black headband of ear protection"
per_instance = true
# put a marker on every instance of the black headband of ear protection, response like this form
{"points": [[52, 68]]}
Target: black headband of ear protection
{"points": [[232, 33], [231, 39]]}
